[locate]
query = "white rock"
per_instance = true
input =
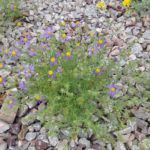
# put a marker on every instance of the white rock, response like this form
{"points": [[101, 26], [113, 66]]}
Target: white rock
{"points": [[3, 126], [132, 57], [48, 17]]}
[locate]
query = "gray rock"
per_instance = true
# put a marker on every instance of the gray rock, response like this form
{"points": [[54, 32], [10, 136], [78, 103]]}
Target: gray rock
{"points": [[31, 104], [84, 143], [136, 48], [64, 134], [3, 126], [22, 110], [146, 35], [30, 136], [37, 126], [109, 147], [120, 146], [53, 141], [142, 125], [72, 144], [3, 146]]}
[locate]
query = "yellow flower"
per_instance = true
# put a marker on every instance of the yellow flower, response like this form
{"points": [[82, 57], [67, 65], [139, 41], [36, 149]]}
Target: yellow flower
{"points": [[98, 70], [1, 66], [13, 52], [1, 79], [6, 51], [50, 72], [52, 59], [64, 35], [19, 24], [10, 102], [62, 23], [49, 33], [126, 3], [25, 39], [100, 41], [37, 97], [101, 5], [68, 54]]}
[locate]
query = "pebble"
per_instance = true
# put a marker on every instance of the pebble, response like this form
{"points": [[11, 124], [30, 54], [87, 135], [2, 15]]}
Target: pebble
{"points": [[84, 143], [136, 48], [53, 141], [3, 126], [30, 136]]}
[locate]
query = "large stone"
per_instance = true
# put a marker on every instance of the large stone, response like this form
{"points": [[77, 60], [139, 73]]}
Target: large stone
{"points": [[30, 136], [8, 112], [136, 48], [53, 141], [3, 146], [84, 143], [146, 35], [120, 146], [3, 126]]}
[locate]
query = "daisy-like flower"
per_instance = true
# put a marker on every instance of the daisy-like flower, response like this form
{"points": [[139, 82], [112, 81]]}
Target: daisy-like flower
{"points": [[112, 90], [68, 55], [126, 3], [58, 53], [40, 99], [28, 70], [25, 40], [22, 85], [20, 69], [100, 43], [1, 65], [101, 4], [14, 53], [2, 81], [64, 37], [11, 102], [48, 32], [51, 73], [32, 52], [98, 71], [52, 61], [92, 50]]}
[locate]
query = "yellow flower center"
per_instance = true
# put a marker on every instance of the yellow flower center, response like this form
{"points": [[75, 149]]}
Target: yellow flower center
{"points": [[10, 102], [50, 72], [92, 49], [113, 89], [101, 5], [19, 24], [98, 70], [1, 66], [28, 70], [100, 41], [77, 22], [13, 52], [63, 23], [1, 79], [52, 59], [25, 39], [37, 97], [64, 35], [68, 54], [21, 67], [78, 44], [49, 33]]}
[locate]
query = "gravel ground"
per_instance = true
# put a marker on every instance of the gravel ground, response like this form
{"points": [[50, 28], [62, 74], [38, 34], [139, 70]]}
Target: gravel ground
{"points": [[20, 129]]}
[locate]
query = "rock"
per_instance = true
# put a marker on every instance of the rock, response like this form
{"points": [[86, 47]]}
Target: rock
{"points": [[132, 57], [146, 35], [84, 143], [40, 145], [31, 104], [142, 125], [63, 134], [15, 128], [136, 48], [62, 145], [53, 141], [30, 136], [22, 110], [23, 132], [72, 144], [139, 136], [120, 146], [109, 147], [3, 126], [37, 126], [48, 17], [11, 141], [8, 114], [3, 146]]}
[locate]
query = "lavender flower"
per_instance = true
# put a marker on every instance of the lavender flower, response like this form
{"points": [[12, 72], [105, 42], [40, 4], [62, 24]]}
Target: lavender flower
{"points": [[14, 53], [40, 99], [51, 74], [25, 40], [48, 32], [22, 85], [11, 102], [65, 37], [53, 61], [112, 90], [92, 50], [32, 52], [68, 55], [58, 53], [59, 69], [28, 70], [98, 71], [100, 43]]}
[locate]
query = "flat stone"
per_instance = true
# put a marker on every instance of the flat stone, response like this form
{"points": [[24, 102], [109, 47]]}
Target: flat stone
{"points": [[8, 114], [22, 110], [3, 126], [146, 35], [41, 145], [84, 143], [30, 136], [120, 146], [53, 141], [3, 146], [136, 48]]}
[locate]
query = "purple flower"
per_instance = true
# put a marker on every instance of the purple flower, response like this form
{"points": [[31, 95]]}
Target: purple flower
{"points": [[64, 37], [14, 53], [11, 102], [32, 52], [68, 55], [92, 50], [48, 32], [40, 99], [22, 85], [53, 61], [28, 70], [58, 53], [51, 74], [2, 81], [59, 69], [112, 90], [100, 43], [98, 71], [25, 40]]}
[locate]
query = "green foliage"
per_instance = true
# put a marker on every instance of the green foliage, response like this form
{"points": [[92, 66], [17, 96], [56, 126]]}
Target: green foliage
{"points": [[143, 5], [9, 9]]}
